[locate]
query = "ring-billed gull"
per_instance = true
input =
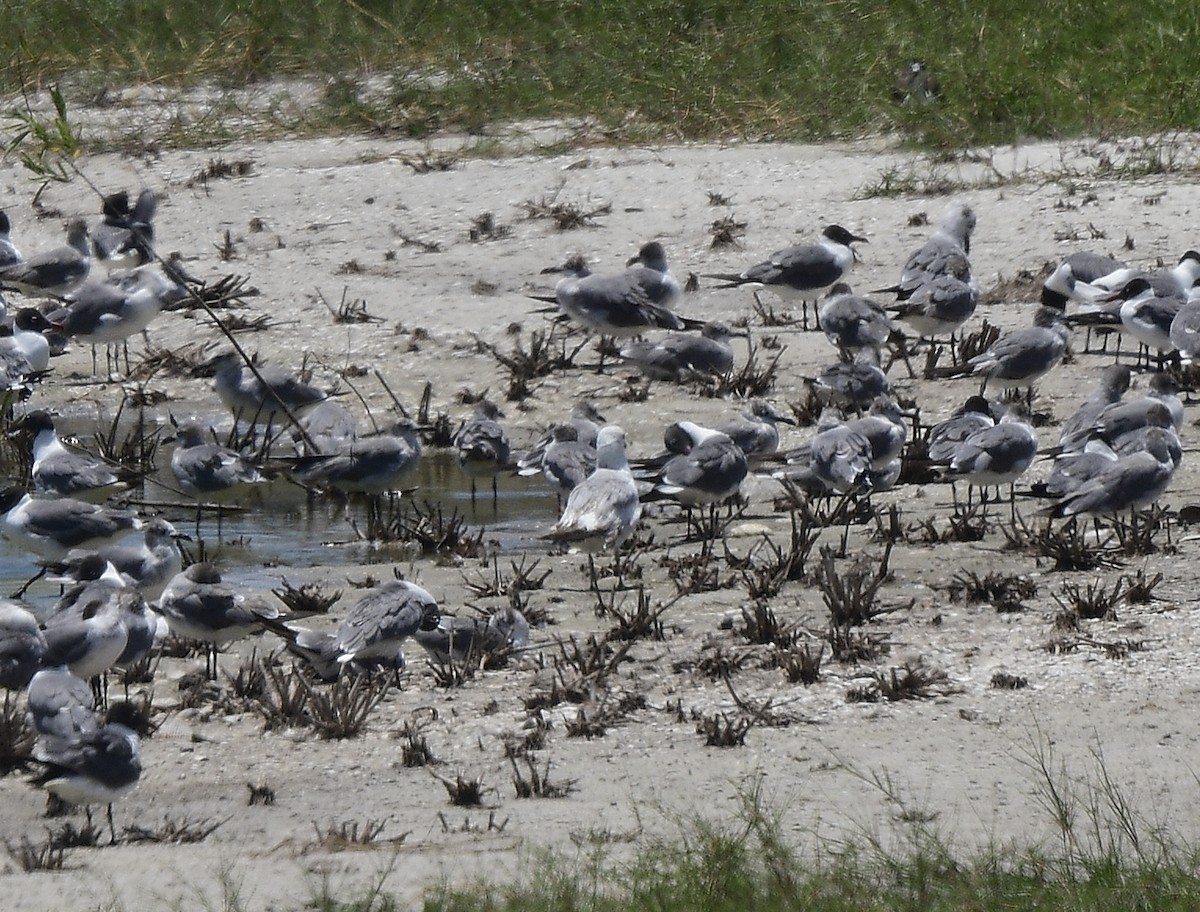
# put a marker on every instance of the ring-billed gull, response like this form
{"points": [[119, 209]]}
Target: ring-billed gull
{"points": [[602, 511]]}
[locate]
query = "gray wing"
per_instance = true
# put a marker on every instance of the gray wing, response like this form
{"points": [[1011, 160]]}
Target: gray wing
{"points": [[391, 612], [60, 704], [72, 522], [802, 267]]}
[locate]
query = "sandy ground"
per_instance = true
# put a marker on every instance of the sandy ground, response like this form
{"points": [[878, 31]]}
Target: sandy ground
{"points": [[327, 216]]}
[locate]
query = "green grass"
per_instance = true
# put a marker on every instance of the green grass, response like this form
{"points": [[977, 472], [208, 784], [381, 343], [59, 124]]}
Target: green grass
{"points": [[1100, 853], [663, 68]]}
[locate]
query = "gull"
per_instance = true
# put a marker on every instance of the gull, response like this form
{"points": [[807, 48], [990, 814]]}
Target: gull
{"points": [[1075, 468], [996, 455], [653, 273], [28, 338], [60, 703], [754, 430], [1073, 279], [848, 450], [98, 766], [1184, 331], [585, 419], [262, 397], [474, 639], [709, 471], [105, 313], [1023, 356], [1128, 483], [564, 462], [22, 646], [1161, 407], [951, 241], [9, 254], [62, 472], [802, 272], [329, 427], [885, 430], [619, 304], [51, 528], [838, 458], [147, 567], [98, 585], [941, 305], [55, 272], [1177, 280], [373, 464], [852, 323], [482, 444], [202, 467], [973, 415], [683, 356], [851, 384], [199, 605], [87, 632], [601, 511], [124, 238], [1114, 381], [1147, 315], [376, 625]]}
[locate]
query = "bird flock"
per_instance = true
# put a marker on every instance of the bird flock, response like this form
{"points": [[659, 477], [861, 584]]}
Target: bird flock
{"points": [[126, 587]]}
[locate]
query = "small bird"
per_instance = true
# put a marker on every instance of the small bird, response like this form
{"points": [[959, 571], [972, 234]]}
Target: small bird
{"points": [[1024, 356], [147, 567], [1128, 483], [916, 85], [22, 646], [804, 271], [263, 400], [9, 254], [56, 272], [754, 430], [203, 468], [683, 356], [482, 445], [124, 238], [618, 304], [853, 323], [51, 528], [199, 605], [376, 625], [99, 766], [601, 511], [709, 473], [62, 472]]}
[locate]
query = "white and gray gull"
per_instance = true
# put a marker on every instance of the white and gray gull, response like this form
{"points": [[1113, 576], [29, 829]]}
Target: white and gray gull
{"points": [[682, 356], [63, 472], [801, 272], [602, 510]]}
